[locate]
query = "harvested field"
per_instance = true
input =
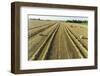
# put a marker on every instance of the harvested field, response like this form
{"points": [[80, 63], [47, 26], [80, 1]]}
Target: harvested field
{"points": [[48, 40]]}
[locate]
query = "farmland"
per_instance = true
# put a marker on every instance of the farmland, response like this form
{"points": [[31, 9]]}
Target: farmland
{"points": [[48, 40]]}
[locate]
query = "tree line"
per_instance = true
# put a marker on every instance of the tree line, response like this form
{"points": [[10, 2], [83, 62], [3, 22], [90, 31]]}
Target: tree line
{"points": [[77, 21]]}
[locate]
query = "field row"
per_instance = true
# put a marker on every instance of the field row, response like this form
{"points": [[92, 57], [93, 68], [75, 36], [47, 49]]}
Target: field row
{"points": [[57, 40]]}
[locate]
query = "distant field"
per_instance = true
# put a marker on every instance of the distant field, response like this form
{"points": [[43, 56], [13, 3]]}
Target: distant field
{"points": [[48, 40]]}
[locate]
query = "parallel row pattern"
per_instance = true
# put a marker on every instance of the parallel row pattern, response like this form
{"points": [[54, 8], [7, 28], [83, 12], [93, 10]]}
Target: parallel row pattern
{"points": [[55, 41]]}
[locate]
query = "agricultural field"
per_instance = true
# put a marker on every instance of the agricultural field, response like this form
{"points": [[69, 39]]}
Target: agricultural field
{"points": [[49, 40]]}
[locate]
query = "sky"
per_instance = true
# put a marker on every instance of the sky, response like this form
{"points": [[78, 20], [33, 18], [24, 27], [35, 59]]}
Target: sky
{"points": [[57, 17]]}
